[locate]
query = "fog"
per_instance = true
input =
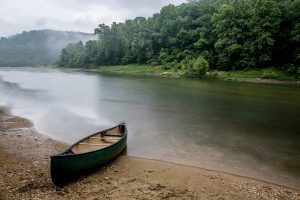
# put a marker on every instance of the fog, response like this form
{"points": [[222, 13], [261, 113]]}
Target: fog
{"points": [[41, 47], [17, 16]]}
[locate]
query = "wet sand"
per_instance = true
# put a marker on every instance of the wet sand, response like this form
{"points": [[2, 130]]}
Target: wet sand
{"points": [[25, 174]]}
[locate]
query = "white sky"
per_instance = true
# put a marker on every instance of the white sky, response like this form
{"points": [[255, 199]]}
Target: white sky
{"points": [[72, 15]]}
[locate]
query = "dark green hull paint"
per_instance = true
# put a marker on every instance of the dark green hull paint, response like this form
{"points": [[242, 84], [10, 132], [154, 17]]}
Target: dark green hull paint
{"points": [[66, 168]]}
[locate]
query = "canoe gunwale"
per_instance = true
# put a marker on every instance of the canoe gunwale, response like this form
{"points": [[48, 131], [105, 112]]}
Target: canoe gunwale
{"points": [[65, 154]]}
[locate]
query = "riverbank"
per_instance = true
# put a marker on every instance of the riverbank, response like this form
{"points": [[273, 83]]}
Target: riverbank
{"points": [[138, 70], [25, 165], [268, 75]]}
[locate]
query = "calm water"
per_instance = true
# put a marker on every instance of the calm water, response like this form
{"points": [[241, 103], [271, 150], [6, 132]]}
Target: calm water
{"points": [[242, 128]]}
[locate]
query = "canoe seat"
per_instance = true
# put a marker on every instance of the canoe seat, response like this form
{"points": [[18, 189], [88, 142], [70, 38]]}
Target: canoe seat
{"points": [[112, 134], [104, 138], [93, 144]]}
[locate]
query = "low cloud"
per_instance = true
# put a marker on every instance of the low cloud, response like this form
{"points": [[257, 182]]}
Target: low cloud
{"points": [[76, 15]]}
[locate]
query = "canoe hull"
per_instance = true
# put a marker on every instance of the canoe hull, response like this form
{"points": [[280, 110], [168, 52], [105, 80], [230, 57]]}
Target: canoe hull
{"points": [[65, 168]]}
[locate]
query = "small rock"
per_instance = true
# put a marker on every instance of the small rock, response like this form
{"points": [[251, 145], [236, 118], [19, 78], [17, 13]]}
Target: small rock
{"points": [[115, 187], [131, 179]]}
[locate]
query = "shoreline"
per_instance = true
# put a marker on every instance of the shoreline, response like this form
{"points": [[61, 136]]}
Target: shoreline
{"points": [[216, 75], [212, 75], [262, 80], [217, 171], [125, 177]]}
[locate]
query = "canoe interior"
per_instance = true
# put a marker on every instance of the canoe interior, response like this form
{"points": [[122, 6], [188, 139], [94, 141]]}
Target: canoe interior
{"points": [[98, 141]]}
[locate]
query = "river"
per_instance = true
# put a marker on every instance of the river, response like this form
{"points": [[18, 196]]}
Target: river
{"points": [[242, 128]]}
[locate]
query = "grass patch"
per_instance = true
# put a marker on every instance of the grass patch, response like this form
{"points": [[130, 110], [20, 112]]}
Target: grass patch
{"points": [[139, 69], [161, 70], [269, 73]]}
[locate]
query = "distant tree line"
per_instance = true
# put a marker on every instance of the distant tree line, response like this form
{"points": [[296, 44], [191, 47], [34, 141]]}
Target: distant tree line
{"points": [[38, 47], [221, 34]]}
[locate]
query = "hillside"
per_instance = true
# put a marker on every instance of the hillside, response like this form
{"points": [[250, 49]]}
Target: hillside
{"points": [[37, 47]]}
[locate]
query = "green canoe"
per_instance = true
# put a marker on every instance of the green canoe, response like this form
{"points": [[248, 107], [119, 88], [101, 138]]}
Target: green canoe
{"points": [[88, 154]]}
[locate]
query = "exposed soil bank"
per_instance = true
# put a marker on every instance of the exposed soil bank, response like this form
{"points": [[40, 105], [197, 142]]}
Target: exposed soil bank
{"points": [[24, 174]]}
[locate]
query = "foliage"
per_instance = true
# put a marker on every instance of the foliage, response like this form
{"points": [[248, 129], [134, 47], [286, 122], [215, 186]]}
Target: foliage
{"points": [[269, 75], [200, 66], [221, 34], [245, 30], [293, 70]]}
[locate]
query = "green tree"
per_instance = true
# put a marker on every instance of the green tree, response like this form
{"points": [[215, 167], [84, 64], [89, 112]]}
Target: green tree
{"points": [[264, 26], [245, 30], [295, 32]]}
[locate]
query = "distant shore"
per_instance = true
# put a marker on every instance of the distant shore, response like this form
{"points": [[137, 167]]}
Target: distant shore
{"points": [[271, 76], [25, 165]]}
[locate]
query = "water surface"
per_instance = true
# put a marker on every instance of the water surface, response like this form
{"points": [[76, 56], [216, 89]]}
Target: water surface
{"points": [[243, 128]]}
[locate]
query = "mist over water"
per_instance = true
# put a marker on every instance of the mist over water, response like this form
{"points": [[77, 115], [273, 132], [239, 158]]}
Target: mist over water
{"points": [[247, 129], [56, 102]]}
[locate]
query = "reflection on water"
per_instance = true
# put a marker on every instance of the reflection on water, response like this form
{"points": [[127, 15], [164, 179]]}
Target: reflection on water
{"points": [[249, 129]]}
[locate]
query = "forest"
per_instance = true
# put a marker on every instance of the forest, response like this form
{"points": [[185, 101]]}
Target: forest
{"points": [[37, 47], [199, 35]]}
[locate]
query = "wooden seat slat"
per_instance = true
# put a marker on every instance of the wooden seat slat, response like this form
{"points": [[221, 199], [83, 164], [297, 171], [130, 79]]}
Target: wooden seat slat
{"points": [[93, 144], [105, 138]]}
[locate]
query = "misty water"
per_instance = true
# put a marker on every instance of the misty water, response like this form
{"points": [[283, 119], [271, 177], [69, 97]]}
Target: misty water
{"points": [[241, 128]]}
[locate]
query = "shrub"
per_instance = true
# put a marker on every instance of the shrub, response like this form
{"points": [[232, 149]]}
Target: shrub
{"points": [[269, 75], [293, 70], [200, 66]]}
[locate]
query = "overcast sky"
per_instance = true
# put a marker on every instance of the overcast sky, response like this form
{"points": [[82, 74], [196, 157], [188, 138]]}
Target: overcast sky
{"points": [[74, 15]]}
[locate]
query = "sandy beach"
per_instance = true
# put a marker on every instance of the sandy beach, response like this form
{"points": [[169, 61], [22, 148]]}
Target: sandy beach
{"points": [[25, 163]]}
